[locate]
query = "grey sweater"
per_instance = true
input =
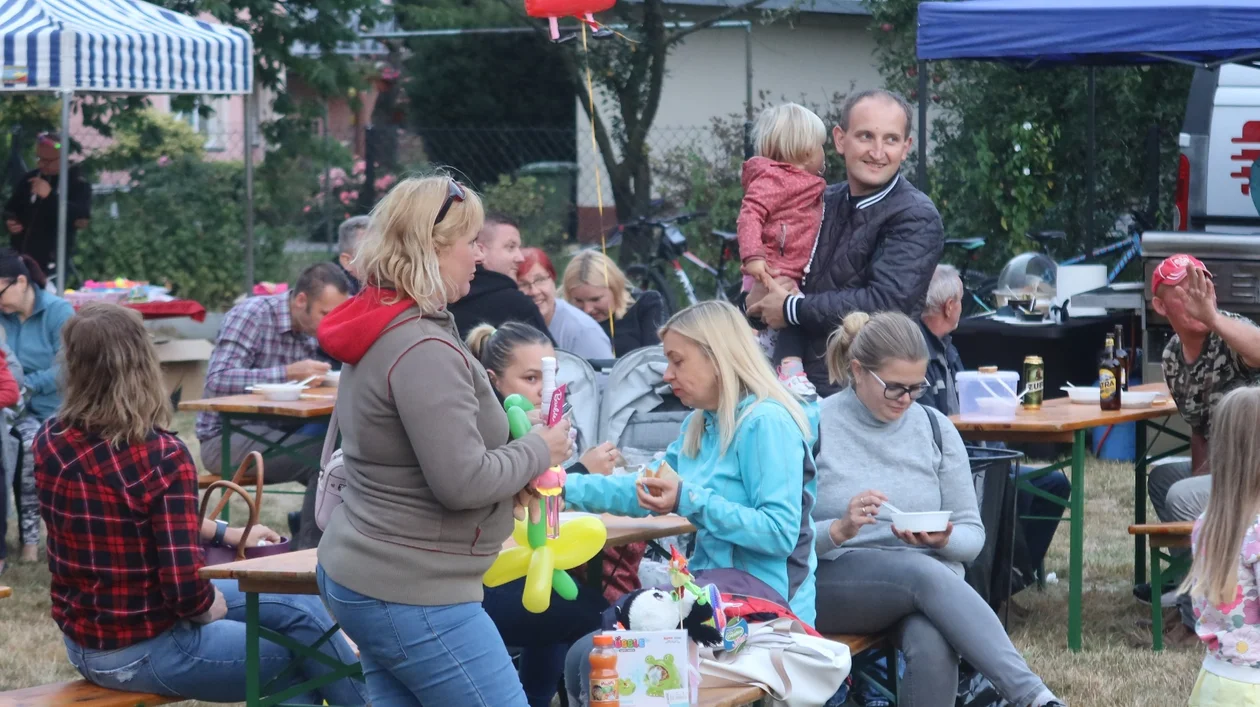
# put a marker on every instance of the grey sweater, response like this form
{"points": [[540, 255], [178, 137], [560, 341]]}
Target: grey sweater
{"points": [[858, 452]]}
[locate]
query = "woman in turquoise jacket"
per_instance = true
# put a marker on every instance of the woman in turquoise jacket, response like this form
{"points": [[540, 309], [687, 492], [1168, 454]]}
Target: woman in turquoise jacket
{"points": [[32, 319], [745, 472]]}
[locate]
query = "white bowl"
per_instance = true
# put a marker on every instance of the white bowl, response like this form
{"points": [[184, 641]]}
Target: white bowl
{"points": [[280, 392], [923, 522], [1138, 399], [1083, 396], [332, 379]]}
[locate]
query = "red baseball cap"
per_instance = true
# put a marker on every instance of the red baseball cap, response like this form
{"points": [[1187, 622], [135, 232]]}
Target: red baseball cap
{"points": [[1174, 269]]}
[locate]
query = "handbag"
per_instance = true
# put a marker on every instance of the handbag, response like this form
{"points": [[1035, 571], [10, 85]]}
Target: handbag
{"points": [[794, 668], [222, 554], [332, 475]]}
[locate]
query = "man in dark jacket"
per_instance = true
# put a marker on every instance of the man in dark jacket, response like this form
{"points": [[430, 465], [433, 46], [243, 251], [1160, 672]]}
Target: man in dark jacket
{"points": [[493, 296], [880, 238], [31, 212]]}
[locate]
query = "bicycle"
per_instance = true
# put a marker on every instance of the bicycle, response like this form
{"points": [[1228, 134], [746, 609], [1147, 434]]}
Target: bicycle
{"points": [[669, 249], [1129, 245], [976, 285]]}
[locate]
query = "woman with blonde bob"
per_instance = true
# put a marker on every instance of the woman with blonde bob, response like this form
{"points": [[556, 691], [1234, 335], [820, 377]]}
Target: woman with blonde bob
{"points": [[745, 477], [875, 445], [430, 471], [119, 495], [594, 284], [1223, 583]]}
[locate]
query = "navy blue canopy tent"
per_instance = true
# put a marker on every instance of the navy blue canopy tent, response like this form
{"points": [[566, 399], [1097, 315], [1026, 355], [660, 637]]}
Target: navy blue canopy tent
{"points": [[1047, 33]]}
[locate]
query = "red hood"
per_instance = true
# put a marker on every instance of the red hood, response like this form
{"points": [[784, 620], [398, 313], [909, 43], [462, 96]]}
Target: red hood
{"points": [[349, 331], [781, 174]]}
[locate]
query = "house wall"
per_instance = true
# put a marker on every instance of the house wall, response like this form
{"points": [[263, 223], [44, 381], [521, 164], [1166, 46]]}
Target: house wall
{"points": [[807, 61]]}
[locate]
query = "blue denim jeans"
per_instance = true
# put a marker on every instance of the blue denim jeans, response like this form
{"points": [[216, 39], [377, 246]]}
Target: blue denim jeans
{"points": [[207, 662], [425, 655]]}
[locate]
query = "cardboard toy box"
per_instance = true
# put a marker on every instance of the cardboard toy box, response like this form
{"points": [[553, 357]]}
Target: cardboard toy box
{"points": [[656, 668], [184, 364]]}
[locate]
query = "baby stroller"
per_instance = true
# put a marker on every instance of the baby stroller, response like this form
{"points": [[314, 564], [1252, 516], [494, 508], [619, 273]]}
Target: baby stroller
{"points": [[642, 416], [583, 394]]}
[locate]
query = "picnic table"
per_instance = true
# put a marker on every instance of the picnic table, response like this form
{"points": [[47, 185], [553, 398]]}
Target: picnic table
{"points": [[294, 573], [1059, 420]]}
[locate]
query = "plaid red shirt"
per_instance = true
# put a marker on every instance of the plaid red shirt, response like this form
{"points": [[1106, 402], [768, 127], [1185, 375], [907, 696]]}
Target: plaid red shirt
{"points": [[124, 540]]}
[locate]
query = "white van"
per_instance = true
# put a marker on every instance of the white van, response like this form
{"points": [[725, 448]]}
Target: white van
{"points": [[1220, 140]]}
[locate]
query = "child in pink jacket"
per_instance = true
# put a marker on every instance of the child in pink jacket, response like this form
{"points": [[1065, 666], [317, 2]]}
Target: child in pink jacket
{"points": [[780, 216]]}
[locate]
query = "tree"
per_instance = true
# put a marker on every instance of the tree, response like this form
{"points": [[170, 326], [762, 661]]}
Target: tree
{"points": [[1010, 145]]}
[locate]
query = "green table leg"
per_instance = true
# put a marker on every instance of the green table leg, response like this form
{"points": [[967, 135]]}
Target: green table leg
{"points": [[1077, 560], [225, 464], [1157, 608], [1139, 504], [253, 686]]}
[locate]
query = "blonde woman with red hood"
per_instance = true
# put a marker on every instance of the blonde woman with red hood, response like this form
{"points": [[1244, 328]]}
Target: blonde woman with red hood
{"points": [[430, 470]]}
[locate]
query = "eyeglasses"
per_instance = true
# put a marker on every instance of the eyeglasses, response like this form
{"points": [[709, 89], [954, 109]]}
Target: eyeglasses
{"points": [[454, 193], [533, 284], [894, 391], [6, 287]]}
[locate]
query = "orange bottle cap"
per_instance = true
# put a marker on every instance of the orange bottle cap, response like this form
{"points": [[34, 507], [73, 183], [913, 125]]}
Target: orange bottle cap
{"points": [[603, 640]]}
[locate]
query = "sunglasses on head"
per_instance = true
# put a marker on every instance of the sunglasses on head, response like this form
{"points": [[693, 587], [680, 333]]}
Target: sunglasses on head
{"points": [[454, 192], [46, 139]]}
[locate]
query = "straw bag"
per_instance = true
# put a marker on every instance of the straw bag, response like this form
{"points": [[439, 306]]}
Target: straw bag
{"points": [[222, 554], [793, 667]]}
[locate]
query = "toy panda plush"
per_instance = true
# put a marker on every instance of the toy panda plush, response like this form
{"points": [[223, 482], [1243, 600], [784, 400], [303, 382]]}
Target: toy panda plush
{"points": [[658, 610]]}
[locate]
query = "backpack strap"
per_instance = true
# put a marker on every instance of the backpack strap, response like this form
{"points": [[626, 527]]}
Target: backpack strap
{"points": [[935, 423], [330, 440]]}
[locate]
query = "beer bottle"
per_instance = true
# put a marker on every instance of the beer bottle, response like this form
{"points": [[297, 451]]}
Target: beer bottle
{"points": [[1122, 355], [1109, 372]]}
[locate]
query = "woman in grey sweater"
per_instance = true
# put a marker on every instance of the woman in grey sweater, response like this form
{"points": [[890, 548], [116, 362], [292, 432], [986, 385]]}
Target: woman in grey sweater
{"points": [[876, 445]]}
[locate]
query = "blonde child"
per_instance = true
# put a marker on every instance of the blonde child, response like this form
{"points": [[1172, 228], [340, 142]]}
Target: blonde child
{"points": [[780, 216], [1223, 581]]}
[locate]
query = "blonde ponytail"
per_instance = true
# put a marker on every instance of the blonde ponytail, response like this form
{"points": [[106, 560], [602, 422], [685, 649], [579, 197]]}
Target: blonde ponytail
{"points": [[477, 338], [872, 341]]}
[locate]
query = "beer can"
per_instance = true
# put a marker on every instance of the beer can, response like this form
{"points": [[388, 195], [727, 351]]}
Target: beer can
{"points": [[1034, 382]]}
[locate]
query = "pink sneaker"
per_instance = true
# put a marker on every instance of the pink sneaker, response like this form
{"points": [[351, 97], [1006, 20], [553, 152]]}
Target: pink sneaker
{"points": [[799, 385]]}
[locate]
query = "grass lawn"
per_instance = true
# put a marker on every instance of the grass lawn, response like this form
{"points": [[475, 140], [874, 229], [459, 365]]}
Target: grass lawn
{"points": [[1117, 666]]}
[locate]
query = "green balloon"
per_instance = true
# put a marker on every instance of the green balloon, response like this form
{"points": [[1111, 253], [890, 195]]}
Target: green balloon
{"points": [[563, 584], [518, 423], [536, 532], [516, 400]]}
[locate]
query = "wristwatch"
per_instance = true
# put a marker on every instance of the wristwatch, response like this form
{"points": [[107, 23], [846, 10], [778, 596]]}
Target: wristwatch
{"points": [[220, 529]]}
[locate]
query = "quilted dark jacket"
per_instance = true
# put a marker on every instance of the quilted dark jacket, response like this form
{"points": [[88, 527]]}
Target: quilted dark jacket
{"points": [[874, 254]]}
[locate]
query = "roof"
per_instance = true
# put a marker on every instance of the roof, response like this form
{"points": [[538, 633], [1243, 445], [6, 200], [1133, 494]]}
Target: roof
{"points": [[119, 45], [827, 7], [1047, 32]]}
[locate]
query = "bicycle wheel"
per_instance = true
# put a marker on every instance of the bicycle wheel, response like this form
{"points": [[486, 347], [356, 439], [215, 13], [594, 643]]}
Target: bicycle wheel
{"points": [[661, 284]]}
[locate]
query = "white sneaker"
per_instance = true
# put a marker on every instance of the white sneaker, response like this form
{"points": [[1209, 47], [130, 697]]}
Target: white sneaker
{"points": [[799, 385]]}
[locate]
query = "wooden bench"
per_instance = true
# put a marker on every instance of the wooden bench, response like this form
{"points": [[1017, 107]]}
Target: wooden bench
{"points": [[748, 694], [204, 480], [1163, 538], [81, 693]]}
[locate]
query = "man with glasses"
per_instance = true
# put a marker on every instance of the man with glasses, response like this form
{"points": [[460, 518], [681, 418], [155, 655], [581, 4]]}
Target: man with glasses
{"points": [[31, 212], [493, 296]]}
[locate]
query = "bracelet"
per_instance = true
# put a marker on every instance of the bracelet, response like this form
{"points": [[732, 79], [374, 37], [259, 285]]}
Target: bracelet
{"points": [[220, 529]]}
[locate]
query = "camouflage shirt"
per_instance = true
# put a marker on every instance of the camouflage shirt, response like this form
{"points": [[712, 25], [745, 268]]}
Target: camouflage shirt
{"points": [[1198, 386]]}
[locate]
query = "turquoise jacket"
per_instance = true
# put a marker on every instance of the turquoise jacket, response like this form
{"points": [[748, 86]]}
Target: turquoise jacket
{"points": [[36, 342], [751, 506]]}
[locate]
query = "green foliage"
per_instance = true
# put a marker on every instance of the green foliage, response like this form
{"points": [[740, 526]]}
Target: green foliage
{"points": [[533, 205], [978, 178], [182, 223], [149, 136]]}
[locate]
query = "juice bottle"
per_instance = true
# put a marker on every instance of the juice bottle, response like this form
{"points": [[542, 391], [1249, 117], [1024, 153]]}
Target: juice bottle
{"points": [[604, 691]]}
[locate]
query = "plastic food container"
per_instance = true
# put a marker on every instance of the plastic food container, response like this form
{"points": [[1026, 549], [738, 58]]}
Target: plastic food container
{"points": [[988, 397], [923, 522]]}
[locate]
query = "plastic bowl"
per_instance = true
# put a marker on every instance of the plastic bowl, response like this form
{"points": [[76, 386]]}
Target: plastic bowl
{"points": [[1082, 396], [280, 392], [923, 522], [1138, 399], [332, 379]]}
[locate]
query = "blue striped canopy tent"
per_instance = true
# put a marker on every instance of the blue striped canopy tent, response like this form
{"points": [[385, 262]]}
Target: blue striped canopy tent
{"points": [[121, 46]]}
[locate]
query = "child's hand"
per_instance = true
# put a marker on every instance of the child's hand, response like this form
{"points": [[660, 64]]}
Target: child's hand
{"points": [[755, 268]]}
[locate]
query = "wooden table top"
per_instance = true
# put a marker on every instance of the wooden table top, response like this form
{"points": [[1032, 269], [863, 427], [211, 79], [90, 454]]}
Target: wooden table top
{"points": [[1061, 416], [5, 592], [294, 572], [315, 402]]}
